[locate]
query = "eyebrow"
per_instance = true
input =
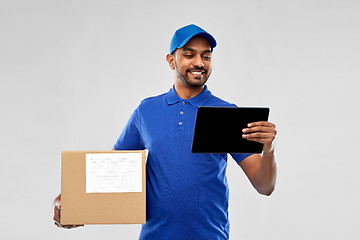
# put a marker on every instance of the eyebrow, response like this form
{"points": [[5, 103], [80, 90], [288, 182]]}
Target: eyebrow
{"points": [[193, 50]]}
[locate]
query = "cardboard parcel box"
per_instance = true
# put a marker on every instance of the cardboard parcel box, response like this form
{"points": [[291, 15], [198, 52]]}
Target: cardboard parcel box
{"points": [[103, 187]]}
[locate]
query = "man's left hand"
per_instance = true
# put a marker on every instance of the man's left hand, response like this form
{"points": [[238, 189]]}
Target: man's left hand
{"points": [[262, 132]]}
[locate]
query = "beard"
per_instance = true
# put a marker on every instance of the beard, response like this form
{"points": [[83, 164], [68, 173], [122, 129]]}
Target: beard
{"points": [[185, 80]]}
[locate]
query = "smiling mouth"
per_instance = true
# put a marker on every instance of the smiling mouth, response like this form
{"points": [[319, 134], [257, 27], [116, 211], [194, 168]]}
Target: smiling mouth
{"points": [[197, 73]]}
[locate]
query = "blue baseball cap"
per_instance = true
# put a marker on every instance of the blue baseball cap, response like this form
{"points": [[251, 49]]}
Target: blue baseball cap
{"points": [[184, 34]]}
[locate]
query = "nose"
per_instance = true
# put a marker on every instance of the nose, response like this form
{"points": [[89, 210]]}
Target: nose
{"points": [[198, 62]]}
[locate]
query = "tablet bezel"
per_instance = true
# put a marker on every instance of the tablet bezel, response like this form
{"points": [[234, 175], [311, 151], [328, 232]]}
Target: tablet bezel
{"points": [[219, 129]]}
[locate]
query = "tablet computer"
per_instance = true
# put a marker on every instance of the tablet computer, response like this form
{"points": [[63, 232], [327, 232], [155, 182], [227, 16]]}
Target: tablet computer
{"points": [[219, 129]]}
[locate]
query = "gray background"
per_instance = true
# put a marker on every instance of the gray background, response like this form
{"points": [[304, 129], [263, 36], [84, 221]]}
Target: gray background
{"points": [[73, 71]]}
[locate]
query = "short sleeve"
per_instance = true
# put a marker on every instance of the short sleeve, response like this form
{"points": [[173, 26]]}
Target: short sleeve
{"points": [[130, 138], [238, 157]]}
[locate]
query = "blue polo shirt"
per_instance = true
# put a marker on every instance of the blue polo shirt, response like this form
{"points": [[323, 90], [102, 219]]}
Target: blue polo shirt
{"points": [[187, 193]]}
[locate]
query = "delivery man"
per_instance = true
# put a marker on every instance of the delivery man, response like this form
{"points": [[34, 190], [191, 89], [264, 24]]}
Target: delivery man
{"points": [[187, 193]]}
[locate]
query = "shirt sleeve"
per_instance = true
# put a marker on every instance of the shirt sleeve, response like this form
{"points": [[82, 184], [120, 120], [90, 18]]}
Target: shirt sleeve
{"points": [[238, 157], [130, 138]]}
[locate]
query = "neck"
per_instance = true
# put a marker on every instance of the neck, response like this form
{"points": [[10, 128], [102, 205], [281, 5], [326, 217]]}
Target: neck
{"points": [[185, 92]]}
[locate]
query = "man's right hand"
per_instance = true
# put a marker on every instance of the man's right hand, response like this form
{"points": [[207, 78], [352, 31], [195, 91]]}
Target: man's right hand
{"points": [[57, 208]]}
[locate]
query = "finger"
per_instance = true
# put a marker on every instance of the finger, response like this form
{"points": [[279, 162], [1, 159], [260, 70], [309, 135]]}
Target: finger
{"points": [[67, 226], [71, 226], [260, 135], [261, 123], [57, 224], [258, 139], [56, 213], [57, 200], [57, 207], [259, 129]]}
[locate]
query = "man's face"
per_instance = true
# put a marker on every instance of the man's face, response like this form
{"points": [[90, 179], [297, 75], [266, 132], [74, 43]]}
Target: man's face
{"points": [[192, 62]]}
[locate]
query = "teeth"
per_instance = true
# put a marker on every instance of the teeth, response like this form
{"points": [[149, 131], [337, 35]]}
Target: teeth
{"points": [[197, 73]]}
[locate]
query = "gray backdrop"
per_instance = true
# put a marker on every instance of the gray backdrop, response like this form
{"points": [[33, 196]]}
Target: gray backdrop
{"points": [[73, 71]]}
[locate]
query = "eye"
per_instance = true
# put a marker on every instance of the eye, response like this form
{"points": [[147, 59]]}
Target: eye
{"points": [[207, 57], [188, 55]]}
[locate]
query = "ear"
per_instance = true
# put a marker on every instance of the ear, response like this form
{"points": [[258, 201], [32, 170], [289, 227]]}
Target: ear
{"points": [[170, 58]]}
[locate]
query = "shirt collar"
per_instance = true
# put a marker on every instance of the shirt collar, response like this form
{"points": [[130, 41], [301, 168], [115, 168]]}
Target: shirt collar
{"points": [[196, 101]]}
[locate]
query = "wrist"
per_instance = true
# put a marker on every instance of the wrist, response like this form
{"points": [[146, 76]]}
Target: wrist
{"points": [[269, 149]]}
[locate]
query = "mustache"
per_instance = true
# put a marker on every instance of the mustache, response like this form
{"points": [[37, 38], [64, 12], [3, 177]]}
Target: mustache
{"points": [[196, 69]]}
